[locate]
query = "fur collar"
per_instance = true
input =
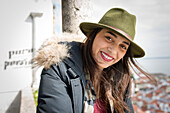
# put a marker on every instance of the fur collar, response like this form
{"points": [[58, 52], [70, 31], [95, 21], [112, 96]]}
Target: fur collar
{"points": [[52, 52]]}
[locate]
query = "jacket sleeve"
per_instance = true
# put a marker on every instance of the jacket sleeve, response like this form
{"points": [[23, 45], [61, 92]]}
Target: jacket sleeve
{"points": [[53, 94]]}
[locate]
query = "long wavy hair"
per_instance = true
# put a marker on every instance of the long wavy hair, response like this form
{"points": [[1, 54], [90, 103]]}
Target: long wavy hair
{"points": [[114, 82]]}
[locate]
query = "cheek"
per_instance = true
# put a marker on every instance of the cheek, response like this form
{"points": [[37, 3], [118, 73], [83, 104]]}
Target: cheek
{"points": [[96, 47], [121, 55], [94, 51], [93, 48]]}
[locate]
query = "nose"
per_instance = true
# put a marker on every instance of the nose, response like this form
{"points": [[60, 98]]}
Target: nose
{"points": [[113, 49]]}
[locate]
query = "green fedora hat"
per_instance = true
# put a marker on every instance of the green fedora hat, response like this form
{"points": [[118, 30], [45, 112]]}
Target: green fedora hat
{"points": [[120, 21]]}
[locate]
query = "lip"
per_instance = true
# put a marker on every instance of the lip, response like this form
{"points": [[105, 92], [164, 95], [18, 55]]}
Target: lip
{"points": [[104, 58]]}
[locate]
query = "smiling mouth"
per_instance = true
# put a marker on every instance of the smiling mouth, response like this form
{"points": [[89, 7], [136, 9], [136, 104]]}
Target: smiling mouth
{"points": [[106, 57]]}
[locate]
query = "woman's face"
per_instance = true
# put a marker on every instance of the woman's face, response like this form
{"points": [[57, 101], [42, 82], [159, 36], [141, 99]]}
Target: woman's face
{"points": [[108, 48]]}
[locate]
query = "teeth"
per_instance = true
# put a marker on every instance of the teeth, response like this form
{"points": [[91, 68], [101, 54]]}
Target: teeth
{"points": [[106, 56]]}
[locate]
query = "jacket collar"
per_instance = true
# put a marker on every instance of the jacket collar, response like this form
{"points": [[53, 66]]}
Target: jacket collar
{"points": [[61, 48], [75, 58], [56, 49]]}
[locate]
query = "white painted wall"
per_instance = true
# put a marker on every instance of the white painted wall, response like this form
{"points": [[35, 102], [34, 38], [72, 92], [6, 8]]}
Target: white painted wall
{"points": [[16, 41]]}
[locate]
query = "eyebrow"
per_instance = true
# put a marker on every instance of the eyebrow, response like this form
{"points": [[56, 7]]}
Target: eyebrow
{"points": [[126, 43], [116, 37], [112, 34]]}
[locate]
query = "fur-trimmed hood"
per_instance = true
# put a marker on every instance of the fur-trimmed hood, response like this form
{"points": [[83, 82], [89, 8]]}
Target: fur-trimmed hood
{"points": [[52, 51]]}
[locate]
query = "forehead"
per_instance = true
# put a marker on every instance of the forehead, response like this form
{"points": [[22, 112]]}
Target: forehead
{"points": [[109, 32]]}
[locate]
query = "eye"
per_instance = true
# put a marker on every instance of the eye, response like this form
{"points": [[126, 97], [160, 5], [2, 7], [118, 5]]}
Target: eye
{"points": [[108, 38], [123, 47]]}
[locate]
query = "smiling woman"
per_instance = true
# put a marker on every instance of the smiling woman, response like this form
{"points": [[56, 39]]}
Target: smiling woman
{"points": [[108, 48], [94, 76]]}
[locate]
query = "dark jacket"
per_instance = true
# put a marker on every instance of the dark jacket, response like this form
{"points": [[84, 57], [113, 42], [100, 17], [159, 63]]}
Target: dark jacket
{"points": [[62, 81]]}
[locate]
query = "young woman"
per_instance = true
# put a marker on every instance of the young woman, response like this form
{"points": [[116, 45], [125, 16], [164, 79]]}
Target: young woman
{"points": [[94, 76]]}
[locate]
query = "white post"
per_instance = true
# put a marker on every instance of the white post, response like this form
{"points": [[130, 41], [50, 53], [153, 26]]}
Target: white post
{"points": [[33, 15]]}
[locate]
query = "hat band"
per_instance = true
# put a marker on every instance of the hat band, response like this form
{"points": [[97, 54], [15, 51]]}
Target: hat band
{"points": [[120, 31]]}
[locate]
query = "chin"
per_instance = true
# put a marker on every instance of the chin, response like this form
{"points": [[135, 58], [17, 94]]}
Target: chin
{"points": [[102, 67]]}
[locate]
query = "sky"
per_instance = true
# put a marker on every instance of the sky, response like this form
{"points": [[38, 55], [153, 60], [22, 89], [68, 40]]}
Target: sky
{"points": [[152, 29]]}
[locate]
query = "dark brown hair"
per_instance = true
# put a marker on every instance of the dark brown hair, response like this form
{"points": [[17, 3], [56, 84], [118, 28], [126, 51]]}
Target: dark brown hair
{"points": [[116, 78]]}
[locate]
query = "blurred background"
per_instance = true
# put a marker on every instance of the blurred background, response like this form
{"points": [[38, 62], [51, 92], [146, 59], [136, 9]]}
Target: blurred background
{"points": [[26, 24]]}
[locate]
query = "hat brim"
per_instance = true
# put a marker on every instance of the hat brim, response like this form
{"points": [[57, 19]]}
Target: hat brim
{"points": [[88, 27]]}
